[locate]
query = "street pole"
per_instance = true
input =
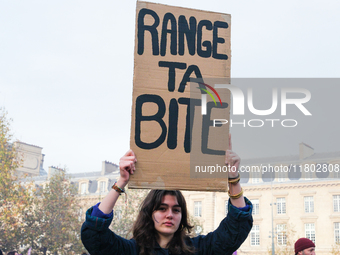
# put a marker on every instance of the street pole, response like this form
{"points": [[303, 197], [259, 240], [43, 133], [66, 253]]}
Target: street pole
{"points": [[273, 246]]}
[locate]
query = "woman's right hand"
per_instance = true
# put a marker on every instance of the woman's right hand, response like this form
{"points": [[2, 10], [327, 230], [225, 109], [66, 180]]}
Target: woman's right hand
{"points": [[127, 166]]}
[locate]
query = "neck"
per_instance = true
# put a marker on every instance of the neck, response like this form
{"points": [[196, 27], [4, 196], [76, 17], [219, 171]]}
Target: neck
{"points": [[164, 240]]}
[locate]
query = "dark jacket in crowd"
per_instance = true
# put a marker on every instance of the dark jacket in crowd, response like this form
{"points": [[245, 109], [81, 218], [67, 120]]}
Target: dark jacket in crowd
{"points": [[98, 239]]}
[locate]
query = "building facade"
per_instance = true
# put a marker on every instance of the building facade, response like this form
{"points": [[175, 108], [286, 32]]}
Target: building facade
{"points": [[92, 186], [31, 160], [303, 201]]}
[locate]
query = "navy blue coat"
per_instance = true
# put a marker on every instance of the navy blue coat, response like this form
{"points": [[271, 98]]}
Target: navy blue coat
{"points": [[98, 239]]}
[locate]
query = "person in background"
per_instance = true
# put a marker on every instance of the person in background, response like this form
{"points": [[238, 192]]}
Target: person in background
{"points": [[304, 246]]}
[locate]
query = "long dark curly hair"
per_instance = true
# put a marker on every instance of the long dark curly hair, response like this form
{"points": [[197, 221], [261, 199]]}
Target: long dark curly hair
{"points": [[144, 231]]}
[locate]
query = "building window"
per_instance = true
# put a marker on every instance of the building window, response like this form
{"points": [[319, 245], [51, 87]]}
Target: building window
{"points": [[308, 174], [83, 188], [309, 204], [281, 234], [336, 175], [255, 235], [281, 176], [198, 208], [256, 206], [256, 177], [336, 203], [226, 207], [281, 205], [337, 232], [310, 231], [102, 186]]}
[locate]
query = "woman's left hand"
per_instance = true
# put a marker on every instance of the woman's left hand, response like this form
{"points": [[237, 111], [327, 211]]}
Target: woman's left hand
{"points": [[232, 160]]}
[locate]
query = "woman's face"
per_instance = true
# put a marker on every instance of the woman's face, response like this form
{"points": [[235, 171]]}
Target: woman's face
{"points": [[167, 217]]}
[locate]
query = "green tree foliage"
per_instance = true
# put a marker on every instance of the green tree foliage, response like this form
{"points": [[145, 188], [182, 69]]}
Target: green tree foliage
{"points": [[14, 200], [126, 211], [53, 225], [46, 219]]}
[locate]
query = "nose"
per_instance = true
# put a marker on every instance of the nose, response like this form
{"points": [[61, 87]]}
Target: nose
{"points": [[169, 214]]}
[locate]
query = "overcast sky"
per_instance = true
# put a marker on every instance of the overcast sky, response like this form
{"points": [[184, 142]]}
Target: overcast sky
{"points": [[67, 69]]}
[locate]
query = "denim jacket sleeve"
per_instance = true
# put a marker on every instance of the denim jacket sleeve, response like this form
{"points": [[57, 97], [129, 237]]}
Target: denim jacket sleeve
{"points": [[98, 239], [230, 234]]}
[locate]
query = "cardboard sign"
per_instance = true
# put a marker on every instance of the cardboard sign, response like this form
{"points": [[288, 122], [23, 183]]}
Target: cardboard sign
{"points": [[172, 46]]}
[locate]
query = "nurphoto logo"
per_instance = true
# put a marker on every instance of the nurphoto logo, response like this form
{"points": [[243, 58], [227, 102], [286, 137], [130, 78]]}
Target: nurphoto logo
{"points": [[238, 104]]}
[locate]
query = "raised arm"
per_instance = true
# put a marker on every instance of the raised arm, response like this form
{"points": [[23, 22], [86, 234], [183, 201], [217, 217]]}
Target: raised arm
{"points": [[126, 167], [96, 236], [234, 228], [232, 160]]}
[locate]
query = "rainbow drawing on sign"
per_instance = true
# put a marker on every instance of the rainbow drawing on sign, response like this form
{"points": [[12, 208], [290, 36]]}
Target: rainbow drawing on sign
{"points": [[209, 93]]}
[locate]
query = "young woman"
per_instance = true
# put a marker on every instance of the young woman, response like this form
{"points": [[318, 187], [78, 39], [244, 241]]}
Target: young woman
{"points": [[162, 225]]}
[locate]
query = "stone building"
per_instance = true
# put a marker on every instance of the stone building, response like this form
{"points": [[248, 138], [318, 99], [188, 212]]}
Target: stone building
{"points": [[31, 159], [287, 205], [92, 186]]}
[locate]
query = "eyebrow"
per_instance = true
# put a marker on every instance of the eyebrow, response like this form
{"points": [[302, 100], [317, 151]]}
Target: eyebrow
{"points": [[177, 205]]}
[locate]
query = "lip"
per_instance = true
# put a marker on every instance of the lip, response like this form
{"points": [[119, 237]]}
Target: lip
{"points": [[168, 223]]}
